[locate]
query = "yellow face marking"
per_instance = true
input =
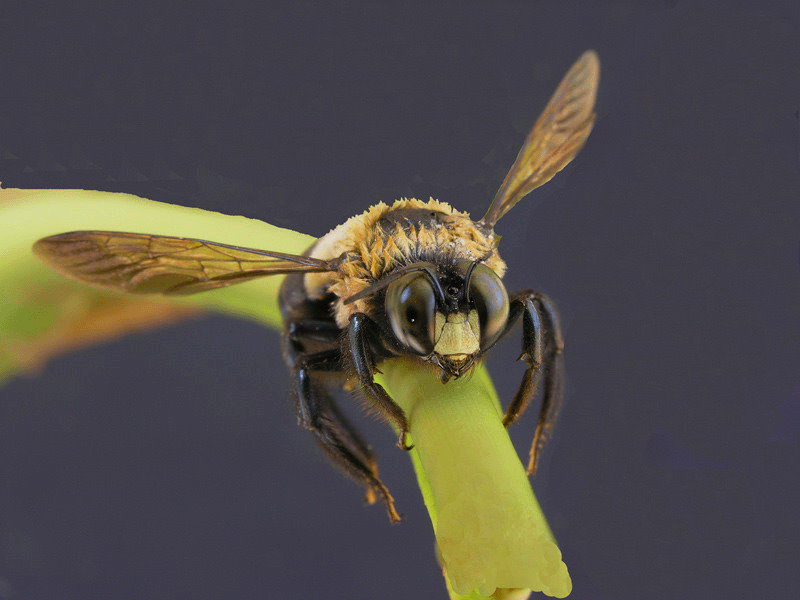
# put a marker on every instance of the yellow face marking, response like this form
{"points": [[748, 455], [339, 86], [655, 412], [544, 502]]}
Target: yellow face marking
{"points": [[458, 334]]}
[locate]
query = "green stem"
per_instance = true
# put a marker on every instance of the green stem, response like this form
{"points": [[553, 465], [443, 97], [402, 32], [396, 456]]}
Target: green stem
{"points": [[491, 534]]}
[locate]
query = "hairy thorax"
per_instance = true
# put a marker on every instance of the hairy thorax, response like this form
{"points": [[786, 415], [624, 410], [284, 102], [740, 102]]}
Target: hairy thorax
{"points": [[384, 238]]}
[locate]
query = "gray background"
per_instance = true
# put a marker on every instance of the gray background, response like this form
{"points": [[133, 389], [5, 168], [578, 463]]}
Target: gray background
{"points": [[168, 465]]}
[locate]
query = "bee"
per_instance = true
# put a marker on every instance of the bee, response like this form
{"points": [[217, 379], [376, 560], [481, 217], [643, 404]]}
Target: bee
{"points": [[414, 279]]}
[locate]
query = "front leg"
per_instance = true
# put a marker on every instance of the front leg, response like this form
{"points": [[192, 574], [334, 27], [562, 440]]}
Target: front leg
{"points": [[363, 361], [542, 347]]}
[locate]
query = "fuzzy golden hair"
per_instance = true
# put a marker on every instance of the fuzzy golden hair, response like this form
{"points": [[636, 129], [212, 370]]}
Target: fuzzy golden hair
{"points": [[372, 252]]}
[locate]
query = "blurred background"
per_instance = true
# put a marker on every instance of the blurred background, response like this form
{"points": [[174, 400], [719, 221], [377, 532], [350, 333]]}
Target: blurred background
{"points": [[169, 465]]}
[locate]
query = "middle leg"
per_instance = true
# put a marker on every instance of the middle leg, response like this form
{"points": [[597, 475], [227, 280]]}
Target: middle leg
{"points": [[342, 444]]}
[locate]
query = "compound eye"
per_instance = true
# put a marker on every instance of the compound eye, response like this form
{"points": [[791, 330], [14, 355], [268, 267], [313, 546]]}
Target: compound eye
{"points": [[489, 295], [410, 303]]}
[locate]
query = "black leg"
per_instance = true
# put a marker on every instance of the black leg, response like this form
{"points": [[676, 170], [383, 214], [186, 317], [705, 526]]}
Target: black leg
{"points": [[344, 447], [361, 326], [306, 393], [522, 304], [312, 329], [542, 347], [359, 462], [553, 395]]}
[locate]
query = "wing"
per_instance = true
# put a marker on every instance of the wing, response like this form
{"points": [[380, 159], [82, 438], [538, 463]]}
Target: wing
{"points": [[555, 139], [144, 264]]}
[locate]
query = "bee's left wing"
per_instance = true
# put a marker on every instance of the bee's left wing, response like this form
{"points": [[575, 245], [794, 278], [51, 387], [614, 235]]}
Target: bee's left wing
{"points": [[143, 264], [555, 139]]}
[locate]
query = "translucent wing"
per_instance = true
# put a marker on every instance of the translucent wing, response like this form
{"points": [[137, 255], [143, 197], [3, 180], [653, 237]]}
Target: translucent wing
{"points": [[143, 264], [555, 139]]}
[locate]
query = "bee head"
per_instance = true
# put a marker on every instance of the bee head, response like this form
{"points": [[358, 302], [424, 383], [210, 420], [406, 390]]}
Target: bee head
{"points": [[449, 315]]}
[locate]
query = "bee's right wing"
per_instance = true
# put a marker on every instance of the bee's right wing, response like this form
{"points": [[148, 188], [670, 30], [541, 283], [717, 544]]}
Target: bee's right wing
{"points": [[144, 264], [555, 139]]}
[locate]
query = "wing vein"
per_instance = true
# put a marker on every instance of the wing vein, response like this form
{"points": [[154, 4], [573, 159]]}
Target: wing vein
{"points": [[140, 263]]}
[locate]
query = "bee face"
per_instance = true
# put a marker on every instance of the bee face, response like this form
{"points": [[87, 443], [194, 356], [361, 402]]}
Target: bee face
{"points": [[447, 314]]}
